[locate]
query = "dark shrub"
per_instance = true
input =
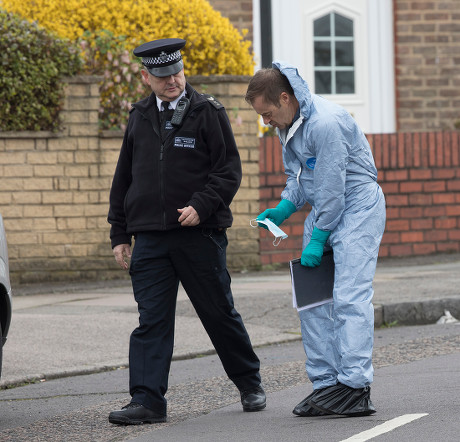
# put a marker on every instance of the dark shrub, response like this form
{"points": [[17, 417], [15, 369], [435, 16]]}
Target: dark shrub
{"points": [[32, 65]]}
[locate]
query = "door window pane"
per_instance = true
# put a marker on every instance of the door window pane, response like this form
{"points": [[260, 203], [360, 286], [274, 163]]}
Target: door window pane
{"points": [[345, 82], [322, 27], [344, 53], [322, 53], [343, 26], [323, 82]]}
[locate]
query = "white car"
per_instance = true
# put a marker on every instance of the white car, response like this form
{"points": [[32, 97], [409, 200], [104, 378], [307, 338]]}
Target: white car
{"points": [[5, 291]]}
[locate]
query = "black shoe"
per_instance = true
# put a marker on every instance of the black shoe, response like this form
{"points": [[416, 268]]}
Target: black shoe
{"points": [[253, 399], [305, 410], [135, 414], [344, 400]]}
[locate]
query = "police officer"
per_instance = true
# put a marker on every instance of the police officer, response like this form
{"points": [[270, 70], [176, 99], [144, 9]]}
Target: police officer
{"points": [[176, 175]]}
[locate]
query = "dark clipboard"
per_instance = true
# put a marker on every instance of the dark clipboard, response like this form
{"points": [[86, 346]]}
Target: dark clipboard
{"points": [[312, 286]]}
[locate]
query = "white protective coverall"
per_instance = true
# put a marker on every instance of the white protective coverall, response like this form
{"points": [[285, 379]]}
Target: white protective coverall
{"points": [[329, 164]]}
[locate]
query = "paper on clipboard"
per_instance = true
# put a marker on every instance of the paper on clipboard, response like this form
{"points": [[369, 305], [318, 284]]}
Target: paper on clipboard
{"points": [[312, 286]]}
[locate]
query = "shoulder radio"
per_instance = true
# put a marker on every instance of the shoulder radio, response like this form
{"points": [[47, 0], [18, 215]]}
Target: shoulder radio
{"points": [[180, 111]]}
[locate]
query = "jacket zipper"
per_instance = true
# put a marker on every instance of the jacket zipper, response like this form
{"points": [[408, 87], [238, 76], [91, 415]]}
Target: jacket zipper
{"points": [[162, 193], [162, 153]]}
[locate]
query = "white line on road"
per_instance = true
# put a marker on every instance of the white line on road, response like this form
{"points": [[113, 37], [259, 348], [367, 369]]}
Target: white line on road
{"points": [[384, 428]]}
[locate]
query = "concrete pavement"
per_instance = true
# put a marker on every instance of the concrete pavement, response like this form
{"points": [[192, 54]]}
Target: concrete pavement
{"points": [[68, 329]]}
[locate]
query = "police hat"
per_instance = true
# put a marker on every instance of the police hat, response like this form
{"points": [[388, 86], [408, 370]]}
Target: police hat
{"points": [[162, 58]]}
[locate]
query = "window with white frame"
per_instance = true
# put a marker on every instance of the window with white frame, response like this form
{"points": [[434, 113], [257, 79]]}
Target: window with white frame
{"points": [[334, 63]]}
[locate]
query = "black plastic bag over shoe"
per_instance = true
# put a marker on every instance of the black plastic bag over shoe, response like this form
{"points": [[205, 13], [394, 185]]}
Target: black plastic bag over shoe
{"points": [[303, 409], [344, 400], [306, 410]]}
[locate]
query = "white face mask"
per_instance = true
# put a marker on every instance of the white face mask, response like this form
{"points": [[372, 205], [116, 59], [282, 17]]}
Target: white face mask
{"points": [[274, 229]]}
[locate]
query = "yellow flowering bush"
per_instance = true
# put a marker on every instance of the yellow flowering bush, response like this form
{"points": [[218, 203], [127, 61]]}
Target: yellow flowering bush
{"points": [[214, 46]]}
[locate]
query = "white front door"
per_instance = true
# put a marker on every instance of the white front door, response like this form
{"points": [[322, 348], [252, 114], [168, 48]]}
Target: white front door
{"points": [[345, 52]]}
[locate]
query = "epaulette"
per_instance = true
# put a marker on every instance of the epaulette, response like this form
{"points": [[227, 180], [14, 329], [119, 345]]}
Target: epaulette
{"points": [[217, 104]]}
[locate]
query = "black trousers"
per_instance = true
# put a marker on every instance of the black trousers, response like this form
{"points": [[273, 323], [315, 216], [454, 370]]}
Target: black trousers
{"points": [[197, 258]]}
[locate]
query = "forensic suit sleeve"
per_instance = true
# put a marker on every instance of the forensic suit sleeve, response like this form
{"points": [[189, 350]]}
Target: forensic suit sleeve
{"points": [[225, 172], [120, 185], [331, 146], [292, 191]]}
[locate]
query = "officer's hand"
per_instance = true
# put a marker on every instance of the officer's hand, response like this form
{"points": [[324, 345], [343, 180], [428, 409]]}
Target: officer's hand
{"points": [[188, 217], [120, 252]]}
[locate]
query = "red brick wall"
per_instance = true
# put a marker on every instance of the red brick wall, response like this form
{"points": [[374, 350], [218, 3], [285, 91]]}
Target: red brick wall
{"points": [[420, 176]]}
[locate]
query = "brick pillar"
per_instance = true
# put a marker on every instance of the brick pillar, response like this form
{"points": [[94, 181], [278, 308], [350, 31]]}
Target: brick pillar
{"points": [[81, 106]]}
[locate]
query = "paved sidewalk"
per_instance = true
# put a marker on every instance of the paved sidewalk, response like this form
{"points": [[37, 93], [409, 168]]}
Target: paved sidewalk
{"points": [[62, 330]]}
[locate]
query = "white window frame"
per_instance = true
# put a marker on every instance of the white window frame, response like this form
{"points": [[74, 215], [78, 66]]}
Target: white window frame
{"points": [[333, 39], [352, 102]]}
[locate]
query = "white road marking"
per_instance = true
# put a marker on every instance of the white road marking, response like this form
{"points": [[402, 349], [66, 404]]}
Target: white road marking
{"points": [[384, 428]]}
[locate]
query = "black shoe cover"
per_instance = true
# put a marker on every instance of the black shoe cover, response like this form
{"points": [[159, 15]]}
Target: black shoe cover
{"points": [[344, 400], [305, 410], [308, 411]]}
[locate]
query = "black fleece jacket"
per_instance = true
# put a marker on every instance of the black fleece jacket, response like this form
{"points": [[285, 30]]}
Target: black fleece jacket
{"points": [[197, 165]]}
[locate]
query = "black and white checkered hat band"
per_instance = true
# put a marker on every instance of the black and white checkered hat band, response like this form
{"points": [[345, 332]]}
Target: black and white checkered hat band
{"points": [[163, 59]]}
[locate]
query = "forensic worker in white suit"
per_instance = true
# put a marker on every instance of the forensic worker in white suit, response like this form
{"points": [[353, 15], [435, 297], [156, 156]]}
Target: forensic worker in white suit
{"points": [[329, 164]]}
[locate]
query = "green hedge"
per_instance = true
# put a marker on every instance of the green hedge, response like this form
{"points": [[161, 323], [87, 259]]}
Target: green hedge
{"points": [[32, 64]]}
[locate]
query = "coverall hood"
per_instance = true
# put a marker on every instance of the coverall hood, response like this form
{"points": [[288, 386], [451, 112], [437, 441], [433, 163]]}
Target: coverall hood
{"points": [[300, 86]]}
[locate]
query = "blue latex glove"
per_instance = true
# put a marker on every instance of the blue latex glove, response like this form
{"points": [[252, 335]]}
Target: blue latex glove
{"points": [[312, 254], [279, 214]]}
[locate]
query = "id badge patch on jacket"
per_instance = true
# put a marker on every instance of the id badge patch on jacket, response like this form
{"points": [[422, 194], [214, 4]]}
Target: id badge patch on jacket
{"points": [[184, 142]]}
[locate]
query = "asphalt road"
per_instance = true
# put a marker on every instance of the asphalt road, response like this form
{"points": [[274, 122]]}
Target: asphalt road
{"points": [[417, 374]]}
